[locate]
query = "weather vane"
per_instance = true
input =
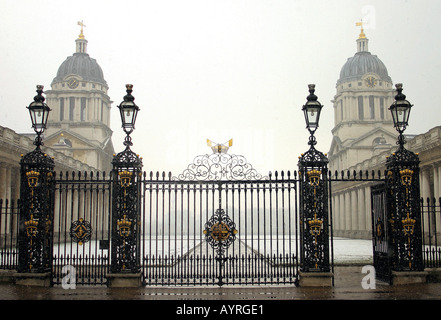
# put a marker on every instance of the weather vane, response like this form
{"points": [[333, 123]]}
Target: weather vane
{"points": [[80, 23], [220, 147], [360, 24]]}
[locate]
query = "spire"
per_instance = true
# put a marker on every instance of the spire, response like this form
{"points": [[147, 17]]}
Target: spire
{"points": [[362, 41], [81, 41]]}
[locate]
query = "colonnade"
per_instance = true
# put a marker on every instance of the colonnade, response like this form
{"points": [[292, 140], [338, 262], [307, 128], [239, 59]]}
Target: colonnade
{"points": [[351, 203], [351, 211]]}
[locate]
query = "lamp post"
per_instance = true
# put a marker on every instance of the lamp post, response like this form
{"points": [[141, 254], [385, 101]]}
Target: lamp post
{"points": [[37, 200], [313, 182], [403, 192], [400, 110], [126, 203]]}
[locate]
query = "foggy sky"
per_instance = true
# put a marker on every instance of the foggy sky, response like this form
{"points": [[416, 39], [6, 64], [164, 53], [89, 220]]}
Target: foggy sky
{"points": [[220, 69]]}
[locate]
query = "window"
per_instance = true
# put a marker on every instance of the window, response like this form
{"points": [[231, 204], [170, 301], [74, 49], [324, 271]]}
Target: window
{"points": [[71, 108], [371, 107], [382, 108], [61, 109], [341, 110], [360, 108], [83, 109]]}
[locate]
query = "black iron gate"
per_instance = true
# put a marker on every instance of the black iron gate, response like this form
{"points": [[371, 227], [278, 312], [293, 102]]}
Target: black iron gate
{"points": [[81, 228], [219, 222], [381, 233]]}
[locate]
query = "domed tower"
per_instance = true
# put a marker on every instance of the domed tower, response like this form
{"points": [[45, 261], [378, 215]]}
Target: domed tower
{"points": [[79, 124], [363, 125]]}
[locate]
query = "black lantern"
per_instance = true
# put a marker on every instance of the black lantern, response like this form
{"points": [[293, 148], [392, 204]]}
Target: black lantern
{"points": [[39, 111], [312, 110], [128, 110], [400, 109]]}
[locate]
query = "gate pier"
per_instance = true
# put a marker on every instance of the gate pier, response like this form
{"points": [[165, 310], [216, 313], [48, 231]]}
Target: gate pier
{"points": [[315, 268], [401, 258], [125, 260]]}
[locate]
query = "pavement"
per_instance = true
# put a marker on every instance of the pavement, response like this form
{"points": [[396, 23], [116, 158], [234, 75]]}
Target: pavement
{"points": [[274, 299], [347, 286]]}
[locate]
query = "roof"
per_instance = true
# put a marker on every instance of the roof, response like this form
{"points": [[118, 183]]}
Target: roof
{"points": [[83, 65], [360, 64]]}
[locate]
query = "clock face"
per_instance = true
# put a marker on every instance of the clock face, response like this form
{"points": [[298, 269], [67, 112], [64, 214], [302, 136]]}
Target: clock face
{"points": [[72, 83], [371, 82]]}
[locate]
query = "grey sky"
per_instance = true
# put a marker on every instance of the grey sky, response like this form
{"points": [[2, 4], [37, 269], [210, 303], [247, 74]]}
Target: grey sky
{"points": [[220, 69]]}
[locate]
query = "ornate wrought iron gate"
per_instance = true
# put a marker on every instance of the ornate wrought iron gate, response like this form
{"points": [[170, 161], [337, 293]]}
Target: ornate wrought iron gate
{"points": [[381, 233], [82, 227], [219, 222]]}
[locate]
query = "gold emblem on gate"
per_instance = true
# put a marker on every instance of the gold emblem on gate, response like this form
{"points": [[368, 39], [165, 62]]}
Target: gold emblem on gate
{"points": [[314, 177], [125, 178], [32, 178], [316, 226], [31, 226], [220, 231], [81, 231], [408, 225], [406, 177], [124, 227]]}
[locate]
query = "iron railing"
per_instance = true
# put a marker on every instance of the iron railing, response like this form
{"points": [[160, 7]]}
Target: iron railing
{"points": [[9, 215], [431, 231], [174, 215]]}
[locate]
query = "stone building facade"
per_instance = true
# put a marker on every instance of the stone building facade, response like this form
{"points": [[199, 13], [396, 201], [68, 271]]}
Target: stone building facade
{"points": [[364, 135], [79, 124], [78, 134], [12, 146]]}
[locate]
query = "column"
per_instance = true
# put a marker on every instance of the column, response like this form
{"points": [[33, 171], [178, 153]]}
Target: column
{"points": [[341, 197], [2, 183], [425, 184], [348, 218], [336, 212], [439, 182], [435, 181], [354, 209], [7, 182], [361, 210], [368, 209]]}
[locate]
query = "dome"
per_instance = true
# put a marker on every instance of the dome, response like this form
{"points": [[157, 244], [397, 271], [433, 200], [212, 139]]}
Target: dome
{"points": [[83, 65], [360, 64]]}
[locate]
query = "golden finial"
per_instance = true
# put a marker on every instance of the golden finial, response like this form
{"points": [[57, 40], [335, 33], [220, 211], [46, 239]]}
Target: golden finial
{"points": [[362, 35], [80, 23]]}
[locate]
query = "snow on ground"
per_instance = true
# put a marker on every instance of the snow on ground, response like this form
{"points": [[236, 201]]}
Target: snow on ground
{"points": [[352, 250], [345, 250]]}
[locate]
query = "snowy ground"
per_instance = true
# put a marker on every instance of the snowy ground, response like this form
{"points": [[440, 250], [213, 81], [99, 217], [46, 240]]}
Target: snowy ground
{"points": [[352, 251], [345, 250]]}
